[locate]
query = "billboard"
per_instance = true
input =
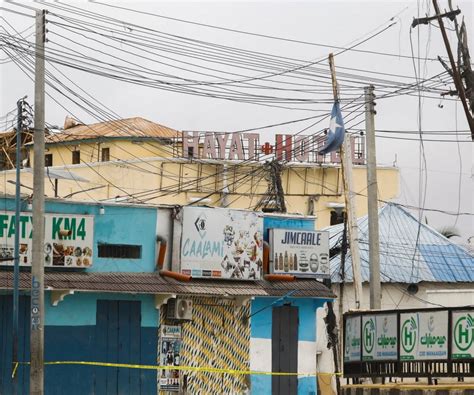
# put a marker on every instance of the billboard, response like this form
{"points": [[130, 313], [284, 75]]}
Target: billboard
{"points": [[299, 252], [352, 339], [72, 251], [424, 335], [379, 337], [462, 334], [221, 243]]}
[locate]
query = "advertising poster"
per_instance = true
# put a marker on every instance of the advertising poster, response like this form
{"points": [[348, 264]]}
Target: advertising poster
{"points": [[352, 339], [299, 252], [379, 337], [424, 335], [65, 251], [221, 243], [170, 348], [462, 336]]}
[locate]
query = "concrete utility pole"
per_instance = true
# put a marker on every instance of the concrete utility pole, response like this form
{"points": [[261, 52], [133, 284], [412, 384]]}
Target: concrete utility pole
{"points": [[372, 201], [16, 269], [37, 264], [349, 194]]}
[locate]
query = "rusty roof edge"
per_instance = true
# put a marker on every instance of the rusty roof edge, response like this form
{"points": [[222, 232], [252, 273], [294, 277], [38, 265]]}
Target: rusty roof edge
{"points": [[111, 283]]}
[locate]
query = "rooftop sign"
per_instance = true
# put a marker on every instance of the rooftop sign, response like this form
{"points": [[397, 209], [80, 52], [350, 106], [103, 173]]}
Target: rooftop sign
{"points": [[247, 146]]}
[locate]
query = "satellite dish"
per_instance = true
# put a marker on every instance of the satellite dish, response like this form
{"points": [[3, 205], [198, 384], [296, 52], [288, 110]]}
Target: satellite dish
{"points": [[412, 289]]}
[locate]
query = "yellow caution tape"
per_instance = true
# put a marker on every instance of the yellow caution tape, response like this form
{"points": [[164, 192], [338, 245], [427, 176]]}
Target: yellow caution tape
{"points": [[186, 368]]}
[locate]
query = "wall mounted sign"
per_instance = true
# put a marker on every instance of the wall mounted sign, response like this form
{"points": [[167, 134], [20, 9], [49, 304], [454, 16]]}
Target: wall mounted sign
{"points": [[379, 337], [72, 251], [170, 353], [247, 146], [462, 334], [424, 335], [299, 252], [221, 243], [352, 339]]}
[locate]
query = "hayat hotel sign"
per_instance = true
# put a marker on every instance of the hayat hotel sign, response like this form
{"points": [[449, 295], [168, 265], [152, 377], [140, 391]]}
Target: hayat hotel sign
{"points": [[299, 252], [247, 146], [68, 239]]}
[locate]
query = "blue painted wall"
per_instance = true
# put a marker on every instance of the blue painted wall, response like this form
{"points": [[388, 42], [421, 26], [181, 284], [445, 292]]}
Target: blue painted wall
{"points": [[286, 223], [261, 327], [119, 225], [115, 338]]}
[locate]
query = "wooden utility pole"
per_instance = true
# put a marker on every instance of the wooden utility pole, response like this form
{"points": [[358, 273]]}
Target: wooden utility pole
{"points": [[349, 194], [372, 201], [37, 264], [455, 70]]}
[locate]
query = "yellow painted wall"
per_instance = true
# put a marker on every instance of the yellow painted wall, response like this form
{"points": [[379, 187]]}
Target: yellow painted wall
{"points": [[156, 180], [119, 149]]}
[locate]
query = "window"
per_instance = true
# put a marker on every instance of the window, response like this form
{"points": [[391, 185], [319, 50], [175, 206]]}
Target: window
{"points": [[190, 152], [48, 160], [337, 217], [105, 154], [120, 251], [76, 157]]}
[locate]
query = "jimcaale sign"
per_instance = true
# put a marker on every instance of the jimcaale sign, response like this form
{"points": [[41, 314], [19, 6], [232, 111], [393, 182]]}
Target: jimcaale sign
{"points": [[299, 252], [247, 146]]}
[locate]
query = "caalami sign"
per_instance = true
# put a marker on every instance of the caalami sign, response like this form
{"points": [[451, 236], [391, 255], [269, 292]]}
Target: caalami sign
{"points": [[68, 239]]}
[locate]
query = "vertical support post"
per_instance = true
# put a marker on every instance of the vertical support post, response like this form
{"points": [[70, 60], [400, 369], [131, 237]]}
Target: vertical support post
{"points": [[349, 194], [37, 264], [16, 270], [372, 201]]}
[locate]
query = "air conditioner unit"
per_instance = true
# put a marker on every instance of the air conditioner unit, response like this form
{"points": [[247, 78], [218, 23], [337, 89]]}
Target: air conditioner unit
{"points": [[179, 309]]}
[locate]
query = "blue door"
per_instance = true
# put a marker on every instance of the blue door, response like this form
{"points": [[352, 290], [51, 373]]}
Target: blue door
{"points": [[121, 339]]}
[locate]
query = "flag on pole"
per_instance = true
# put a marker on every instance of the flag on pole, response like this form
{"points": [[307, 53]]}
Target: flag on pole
{"points": [[336, 132]]}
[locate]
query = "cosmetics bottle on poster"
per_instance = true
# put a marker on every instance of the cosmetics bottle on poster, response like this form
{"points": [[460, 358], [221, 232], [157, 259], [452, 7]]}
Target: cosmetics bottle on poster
{"points": [[280, 262], [291, 262], [285, 262]]}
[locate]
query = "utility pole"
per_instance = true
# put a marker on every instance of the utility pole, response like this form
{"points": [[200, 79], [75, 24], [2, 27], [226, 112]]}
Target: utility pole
{"points": [[37, 264], [455, 70], [349, 194], [16, 269], [372, 201]]}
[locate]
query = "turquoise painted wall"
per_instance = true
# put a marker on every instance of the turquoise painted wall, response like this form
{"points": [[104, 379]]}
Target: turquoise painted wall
{"points": [[81, 309], [261, 327], [119, 225]]}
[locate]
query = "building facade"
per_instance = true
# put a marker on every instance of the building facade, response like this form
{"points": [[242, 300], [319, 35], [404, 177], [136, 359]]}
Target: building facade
{"points": [[138, 161], [106, 303]]}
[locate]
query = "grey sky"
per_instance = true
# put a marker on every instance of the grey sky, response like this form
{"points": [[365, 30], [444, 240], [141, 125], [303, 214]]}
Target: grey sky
{"points": [[337, 23]]}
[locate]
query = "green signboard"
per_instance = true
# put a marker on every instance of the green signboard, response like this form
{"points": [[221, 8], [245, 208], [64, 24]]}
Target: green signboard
{"points": [[424, 335], [379, 337], [352, 339], [462, 334]]}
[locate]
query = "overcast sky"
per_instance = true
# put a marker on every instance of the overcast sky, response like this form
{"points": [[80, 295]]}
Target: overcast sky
{"points": [[339, 23]]}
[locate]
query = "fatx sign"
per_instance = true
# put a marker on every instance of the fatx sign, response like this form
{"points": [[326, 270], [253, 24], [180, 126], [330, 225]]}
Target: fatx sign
{"points": [[247, 146], [68, 239]]}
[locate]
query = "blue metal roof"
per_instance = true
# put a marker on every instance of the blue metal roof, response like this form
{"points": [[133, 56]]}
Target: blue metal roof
{"points": [[434, 258]]}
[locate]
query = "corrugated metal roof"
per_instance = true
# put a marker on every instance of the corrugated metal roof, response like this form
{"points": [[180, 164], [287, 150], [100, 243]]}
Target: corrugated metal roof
{"points": [[125, 128], [153, 283], [434, 258]]}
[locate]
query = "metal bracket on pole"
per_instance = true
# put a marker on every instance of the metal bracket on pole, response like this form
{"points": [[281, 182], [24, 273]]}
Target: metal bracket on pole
{"points": [[161, 299], [57, 296]]}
